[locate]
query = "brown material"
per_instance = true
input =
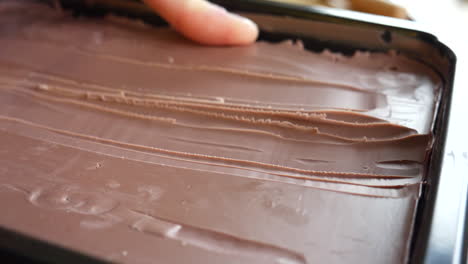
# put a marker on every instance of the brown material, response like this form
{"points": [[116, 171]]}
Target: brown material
{"points": [[132, 144], [379, 7]]}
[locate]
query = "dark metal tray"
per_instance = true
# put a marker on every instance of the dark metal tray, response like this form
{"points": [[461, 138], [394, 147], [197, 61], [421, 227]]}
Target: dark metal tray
{"points": [[437, 238]]}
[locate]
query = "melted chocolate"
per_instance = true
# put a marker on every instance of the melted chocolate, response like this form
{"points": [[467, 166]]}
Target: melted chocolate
{"points": [[139, 146]]}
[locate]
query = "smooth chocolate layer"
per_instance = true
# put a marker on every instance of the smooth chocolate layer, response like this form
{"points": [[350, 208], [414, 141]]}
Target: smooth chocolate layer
{"points": [[139, 146]]}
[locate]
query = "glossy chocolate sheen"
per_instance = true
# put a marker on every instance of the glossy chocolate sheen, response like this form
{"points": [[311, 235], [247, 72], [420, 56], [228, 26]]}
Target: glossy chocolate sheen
{"points": [[132, 144]]}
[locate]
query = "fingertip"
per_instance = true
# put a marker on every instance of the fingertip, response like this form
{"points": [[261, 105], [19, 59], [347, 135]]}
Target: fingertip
{"points": [[206, 23], [244, 31], [216, 26]]}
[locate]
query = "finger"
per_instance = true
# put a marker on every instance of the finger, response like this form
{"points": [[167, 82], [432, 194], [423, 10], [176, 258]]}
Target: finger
{"points": [[205, 22]]}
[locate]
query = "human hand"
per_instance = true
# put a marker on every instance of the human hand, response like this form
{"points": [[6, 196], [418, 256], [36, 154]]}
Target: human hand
{"points": [[205, 23]]}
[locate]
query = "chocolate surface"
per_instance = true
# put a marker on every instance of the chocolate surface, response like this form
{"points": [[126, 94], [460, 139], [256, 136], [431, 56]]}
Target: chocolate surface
{"points": [[131, 144]]}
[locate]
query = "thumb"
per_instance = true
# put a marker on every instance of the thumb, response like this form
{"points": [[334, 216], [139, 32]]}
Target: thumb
{"points": [[206, 23]]}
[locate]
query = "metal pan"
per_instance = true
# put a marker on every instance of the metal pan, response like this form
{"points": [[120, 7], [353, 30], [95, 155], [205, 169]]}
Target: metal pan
{"points": [[346, 32]]}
